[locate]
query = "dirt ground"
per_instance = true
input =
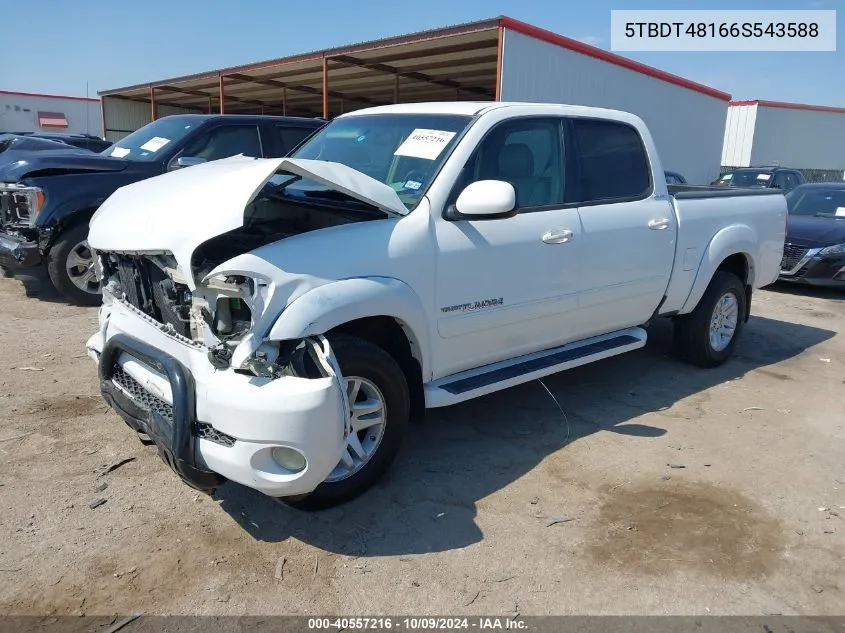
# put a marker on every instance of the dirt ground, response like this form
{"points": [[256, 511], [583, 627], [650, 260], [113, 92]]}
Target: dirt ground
{"points": [[689, 491]]}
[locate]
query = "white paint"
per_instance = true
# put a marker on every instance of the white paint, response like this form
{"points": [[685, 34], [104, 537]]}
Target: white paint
{"points": [[487, 197], [259, 413], [468, 293], [688, 126], [421, 143], [346, 180], [132, 218]]}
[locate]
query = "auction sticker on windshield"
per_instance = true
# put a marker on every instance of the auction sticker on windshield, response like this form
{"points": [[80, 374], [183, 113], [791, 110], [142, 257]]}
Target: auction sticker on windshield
{"points": [[155, 144], [424, 144], [763, 176], [119, 152]]}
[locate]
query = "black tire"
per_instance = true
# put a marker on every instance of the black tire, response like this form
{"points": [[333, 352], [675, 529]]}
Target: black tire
{"points": [[57, 267], [692, 331], [358, 357]]}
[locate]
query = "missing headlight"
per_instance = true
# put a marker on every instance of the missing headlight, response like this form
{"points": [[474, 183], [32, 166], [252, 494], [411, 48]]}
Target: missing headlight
{"points": [[297, 358], [232, 317]]}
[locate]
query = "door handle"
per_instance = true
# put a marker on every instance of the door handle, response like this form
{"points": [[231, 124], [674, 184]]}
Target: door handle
{"points": [[557, 237], [659, 225]]}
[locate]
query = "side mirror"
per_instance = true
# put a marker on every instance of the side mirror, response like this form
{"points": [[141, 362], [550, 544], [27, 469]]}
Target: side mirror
{"points": [[187, 161], [484, 200]]}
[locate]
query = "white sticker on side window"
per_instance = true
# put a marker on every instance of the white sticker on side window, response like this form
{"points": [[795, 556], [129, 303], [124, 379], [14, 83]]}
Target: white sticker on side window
{"points": [[424, 144], [763, 176], [155, 144], [119, 152], [840, 212]]}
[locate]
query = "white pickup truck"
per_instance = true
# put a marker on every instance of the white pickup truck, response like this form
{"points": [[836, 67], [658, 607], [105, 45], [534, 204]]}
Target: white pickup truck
{"points": [[276, 322]]}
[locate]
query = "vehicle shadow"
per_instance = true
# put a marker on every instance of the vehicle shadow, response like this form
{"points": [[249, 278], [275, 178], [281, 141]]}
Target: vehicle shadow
{"points": [[803, 290], [37, 285], [461, 454]]}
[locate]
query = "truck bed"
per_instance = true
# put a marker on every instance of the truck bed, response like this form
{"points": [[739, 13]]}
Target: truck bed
{"points": [[711, 218], [712, 191]]}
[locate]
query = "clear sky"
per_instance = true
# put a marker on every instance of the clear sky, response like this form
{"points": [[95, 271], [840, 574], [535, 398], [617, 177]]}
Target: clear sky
{"points": [[56, 46]]}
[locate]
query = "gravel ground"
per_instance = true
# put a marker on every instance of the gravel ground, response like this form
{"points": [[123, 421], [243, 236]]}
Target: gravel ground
{"points": [[660, 489]]}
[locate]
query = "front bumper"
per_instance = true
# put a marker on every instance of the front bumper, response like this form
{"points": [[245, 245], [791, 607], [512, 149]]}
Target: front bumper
{"points": [[208, 424], [16, 252], [817, 270]]}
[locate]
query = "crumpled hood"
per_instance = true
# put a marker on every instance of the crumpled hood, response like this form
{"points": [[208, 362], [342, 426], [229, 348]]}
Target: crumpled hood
{"points": [[814, 232], [64, 160], [180, 210]]}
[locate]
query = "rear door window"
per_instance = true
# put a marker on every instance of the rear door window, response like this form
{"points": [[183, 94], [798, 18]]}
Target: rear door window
{"points": [[290, 137], [225, 141], [792, 180], [612, 159], [779, 180]]}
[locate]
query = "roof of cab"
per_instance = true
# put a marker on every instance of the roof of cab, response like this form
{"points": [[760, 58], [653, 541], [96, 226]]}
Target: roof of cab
{"points": [[472, 108], [309, 121]]}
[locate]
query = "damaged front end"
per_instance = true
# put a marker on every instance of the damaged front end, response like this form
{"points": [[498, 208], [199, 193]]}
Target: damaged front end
{"points": [[186, 368], [270, 414], [220, 314]]}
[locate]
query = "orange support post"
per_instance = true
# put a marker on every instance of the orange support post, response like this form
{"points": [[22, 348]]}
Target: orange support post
{"points": [[103, 116], [152, 104], [222, 94], [499, 49], [325, 87]]}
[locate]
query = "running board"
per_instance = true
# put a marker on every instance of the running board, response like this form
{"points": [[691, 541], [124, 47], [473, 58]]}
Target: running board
{"points": [[483, 380]]}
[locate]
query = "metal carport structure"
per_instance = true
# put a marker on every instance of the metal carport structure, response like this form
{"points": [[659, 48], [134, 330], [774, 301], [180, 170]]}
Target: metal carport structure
{"points": [[499, 58], [458, 62]]}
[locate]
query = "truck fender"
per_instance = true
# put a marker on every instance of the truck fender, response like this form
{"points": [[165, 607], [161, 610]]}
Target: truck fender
{"points": [[731, 240], [333, 304]]}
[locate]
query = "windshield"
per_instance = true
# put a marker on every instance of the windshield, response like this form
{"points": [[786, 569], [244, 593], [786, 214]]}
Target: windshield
{"points": [[819, 201], [146, 144], [403, 151], [747, 178]]}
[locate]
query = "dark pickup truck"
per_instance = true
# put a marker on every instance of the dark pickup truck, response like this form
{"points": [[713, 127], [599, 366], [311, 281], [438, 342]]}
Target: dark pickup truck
{"points": [[47, 199]]}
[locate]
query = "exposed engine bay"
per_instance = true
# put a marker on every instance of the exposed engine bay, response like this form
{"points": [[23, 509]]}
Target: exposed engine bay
{"points": [[221, 310]]}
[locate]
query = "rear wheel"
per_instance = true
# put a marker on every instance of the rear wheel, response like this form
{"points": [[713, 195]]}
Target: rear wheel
{"points": [[71, 267], [379, 403], [707, 336]]}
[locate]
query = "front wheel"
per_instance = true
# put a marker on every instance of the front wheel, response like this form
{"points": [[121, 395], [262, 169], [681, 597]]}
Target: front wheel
{"points": [[707, 336], [379, 403], [71, 267]]}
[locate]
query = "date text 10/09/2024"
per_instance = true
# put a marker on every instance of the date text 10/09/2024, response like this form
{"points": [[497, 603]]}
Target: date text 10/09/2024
{"points": [[418, 624]]}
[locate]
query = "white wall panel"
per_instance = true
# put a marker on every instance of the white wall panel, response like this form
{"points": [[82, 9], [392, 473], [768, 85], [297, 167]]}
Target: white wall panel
{"points": [[804, 139], [739, 135], [124, 117], [687, 126], [19, 113]]}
